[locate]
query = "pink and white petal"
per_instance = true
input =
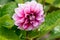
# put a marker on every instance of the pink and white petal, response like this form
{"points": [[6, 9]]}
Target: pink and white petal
{"points": [[26, 21], [35, 23], [35, 27], [25, 26], [33, 5], [20, 27], [38, 8], [41, 13], [19, 22], [27, 9], [19, 12], [16, 17], [32, 17], [40, 5], [39, 17], [42, 20], [21, 6], [29, 28]]}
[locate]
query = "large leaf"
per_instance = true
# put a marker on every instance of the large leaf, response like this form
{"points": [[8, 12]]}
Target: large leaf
{"points": [[6, 21], [55, 32], [6, 34], [51, 21], [8, 9], [55, 3], [50, 1]]}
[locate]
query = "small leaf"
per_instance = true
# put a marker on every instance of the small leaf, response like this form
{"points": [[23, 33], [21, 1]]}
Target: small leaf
{"points": [[55, 32], [46, 8], [6, 21], [8, 9], [22, 35], [19, 1], [6, 34], [4, 1]]}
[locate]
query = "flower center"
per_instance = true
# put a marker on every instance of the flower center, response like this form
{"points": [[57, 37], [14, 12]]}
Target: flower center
{"points": [[31, 17]]}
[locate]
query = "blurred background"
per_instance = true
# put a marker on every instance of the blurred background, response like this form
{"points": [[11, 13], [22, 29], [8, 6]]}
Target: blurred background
{"points": [[51, 27]]}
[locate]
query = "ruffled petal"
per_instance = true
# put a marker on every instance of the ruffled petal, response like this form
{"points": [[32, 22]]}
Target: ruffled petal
{"points": [[35, 23], [38, 8], [19, 12], [15, 17], [33, 5]]}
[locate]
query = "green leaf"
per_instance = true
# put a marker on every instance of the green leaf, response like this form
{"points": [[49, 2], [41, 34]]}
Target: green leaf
{"points": [[51, 21], [55, 32], [50, 1], [6, 34], [0, 11], [55, 3], [6, 21], [4, 1], [22, 35], [46, 8], [8, 9], [57, 28], [19, 1]]}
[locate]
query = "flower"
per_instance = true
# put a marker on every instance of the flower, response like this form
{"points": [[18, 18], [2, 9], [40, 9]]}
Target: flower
{"points": [[29, 16]]}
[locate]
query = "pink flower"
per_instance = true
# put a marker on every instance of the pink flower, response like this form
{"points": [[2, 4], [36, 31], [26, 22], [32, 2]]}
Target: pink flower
{"points": [[29, 16]]}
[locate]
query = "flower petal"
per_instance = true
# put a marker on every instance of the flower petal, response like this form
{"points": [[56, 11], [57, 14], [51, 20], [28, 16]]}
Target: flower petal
{"points": [[35, 23], [19, 12], [15, 17], [33, 5], [30, 27], [38, 8]]}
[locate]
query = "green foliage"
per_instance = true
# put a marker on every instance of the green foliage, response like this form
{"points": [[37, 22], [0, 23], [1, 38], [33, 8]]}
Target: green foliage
{"points": [[6, 21], [19, 1], [50, 23], [9, 31], [55, 32], [4, 1], [55, 3], [22, 35], [6, 34], [8, 9], [50, 1]]}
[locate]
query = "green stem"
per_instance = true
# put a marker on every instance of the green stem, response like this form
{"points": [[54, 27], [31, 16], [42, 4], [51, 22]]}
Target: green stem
{"points": [[43, 3]]}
